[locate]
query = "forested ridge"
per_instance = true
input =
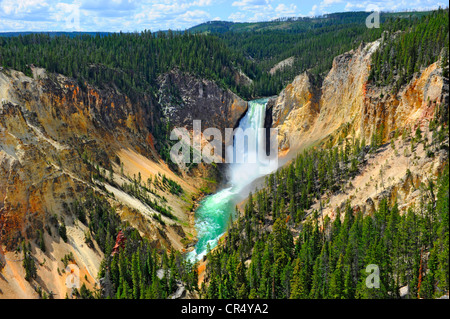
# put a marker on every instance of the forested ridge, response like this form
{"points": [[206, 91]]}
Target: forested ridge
{"points": [[129, 61], [401, 55], [314, 42], [274, 251], [132, 61], [277, 248]]}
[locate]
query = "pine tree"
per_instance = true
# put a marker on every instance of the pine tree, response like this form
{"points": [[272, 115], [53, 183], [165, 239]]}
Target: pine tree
{"points": [[337, 280], [28, 262]]}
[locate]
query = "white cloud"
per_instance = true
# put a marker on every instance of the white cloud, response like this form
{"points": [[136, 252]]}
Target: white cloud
{"points": [[283, 10], [260, 10], [326, 3], [130, 15], [102, 15], [201, 3], [22, 6], [326, 6], [69, 14], [313, 11], [237, 16], [105, 5], [193, 15], [392, 5], [250, 3]]}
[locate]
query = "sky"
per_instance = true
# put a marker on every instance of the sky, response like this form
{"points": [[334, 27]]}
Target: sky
{"points": [[154, 15]]}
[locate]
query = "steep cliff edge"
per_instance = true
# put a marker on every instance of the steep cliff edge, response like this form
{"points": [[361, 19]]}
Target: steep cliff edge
{"points": [[346, 106], [185, 98], [60, 140], [295, 110]]}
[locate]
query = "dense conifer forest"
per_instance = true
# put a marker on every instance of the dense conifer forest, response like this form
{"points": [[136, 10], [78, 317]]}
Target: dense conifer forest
{"points": [[274, 251], [278, 247], [136, 269], [401, 55], [132, 61]]}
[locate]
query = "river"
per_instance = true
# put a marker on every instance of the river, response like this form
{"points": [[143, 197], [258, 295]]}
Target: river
{"points": [[215, 212]]}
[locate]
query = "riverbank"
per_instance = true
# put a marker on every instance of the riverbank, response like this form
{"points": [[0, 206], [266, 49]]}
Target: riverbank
{"points": [[213, 213]]}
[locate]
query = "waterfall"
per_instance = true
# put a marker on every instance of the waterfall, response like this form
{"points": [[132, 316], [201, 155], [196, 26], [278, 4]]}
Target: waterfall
{"points": [[216, 211]]}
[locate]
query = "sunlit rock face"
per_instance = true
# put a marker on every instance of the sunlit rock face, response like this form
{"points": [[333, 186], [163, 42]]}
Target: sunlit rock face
{"points": [[52, 128], [345, 103], [54, 131], [295, 110]]}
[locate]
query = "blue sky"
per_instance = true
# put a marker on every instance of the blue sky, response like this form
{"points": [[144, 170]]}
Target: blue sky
{"points": [[131, 15]]}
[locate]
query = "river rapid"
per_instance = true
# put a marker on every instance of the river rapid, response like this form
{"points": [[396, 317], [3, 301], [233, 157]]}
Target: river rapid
{"points": [[216, 211]]}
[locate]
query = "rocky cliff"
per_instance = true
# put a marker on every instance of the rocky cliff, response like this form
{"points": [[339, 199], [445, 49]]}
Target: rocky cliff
{"points": [[295, 110], [47, 124], [185, 98], [60, 139], [346, 104]]}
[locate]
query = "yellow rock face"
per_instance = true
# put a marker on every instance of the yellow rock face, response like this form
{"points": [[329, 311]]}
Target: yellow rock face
{"points": [[46, 127], [295, 111], [347, 100], [346, 105]]}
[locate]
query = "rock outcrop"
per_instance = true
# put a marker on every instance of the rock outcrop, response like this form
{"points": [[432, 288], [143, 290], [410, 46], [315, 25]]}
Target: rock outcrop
{"points": [[55, 133], [46, 125], [295, 110], [345, 103], [185, 98]]}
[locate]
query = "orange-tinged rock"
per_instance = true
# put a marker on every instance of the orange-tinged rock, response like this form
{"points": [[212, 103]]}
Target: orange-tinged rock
{"points": [[306, 112]]}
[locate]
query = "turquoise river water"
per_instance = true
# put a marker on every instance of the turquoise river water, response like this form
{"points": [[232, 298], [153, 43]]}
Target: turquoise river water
{"points": [[215, 211]]}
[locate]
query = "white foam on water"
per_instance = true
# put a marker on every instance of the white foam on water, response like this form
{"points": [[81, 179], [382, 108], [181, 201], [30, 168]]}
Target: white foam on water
{"points": [[215, 211]]}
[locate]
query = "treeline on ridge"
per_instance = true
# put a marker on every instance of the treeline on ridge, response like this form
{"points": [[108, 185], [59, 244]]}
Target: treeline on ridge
{"points": [[132, 61]]}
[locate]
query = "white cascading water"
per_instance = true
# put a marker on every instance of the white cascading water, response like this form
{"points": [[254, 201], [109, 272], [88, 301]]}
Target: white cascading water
{"points": [[216, 211]]}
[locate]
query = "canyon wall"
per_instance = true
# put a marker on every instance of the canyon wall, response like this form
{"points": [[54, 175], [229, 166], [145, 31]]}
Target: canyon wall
{"points": [[185, 98], [55, 133], [346, 104]]}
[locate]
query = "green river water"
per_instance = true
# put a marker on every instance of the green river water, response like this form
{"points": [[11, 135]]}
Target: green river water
{"points": [[216, 211]]}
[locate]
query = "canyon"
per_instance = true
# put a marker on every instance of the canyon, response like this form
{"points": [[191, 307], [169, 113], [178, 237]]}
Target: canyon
{"points": [[55, 134], [344, 106]]}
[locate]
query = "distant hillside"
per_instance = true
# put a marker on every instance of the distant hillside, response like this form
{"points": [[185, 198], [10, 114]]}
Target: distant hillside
{"points": [[54, 33], [214, 52], [313, 42], [297, 24]]}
